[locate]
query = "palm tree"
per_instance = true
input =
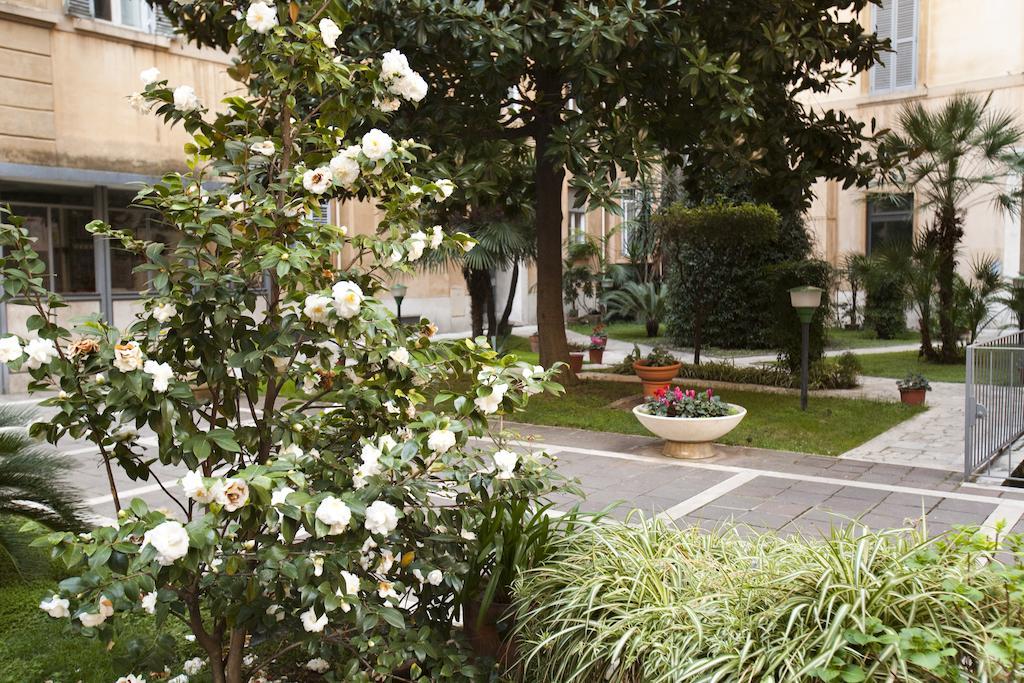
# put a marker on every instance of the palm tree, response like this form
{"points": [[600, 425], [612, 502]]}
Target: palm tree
{"points": [[916, 266], [1013, 299], [951, 158], [854, 269], [32, 483], [640, 301], [976, 295]]}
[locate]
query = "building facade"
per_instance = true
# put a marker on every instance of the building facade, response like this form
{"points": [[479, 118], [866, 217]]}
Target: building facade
{"points": [[940, 47]]}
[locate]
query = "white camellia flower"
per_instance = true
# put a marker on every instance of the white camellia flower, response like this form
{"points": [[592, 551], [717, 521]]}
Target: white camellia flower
{"points": [[416, 244], [465, 241], [280, 495], [505, 462], [317, 308], [264, 147], [348, 297], [441, 440], [139, 103], [351, 583], [411, 86], [131, 678], [467, 535], [128, 357], [436, 236], [399, 356], [90, 619], [39, 352], [195, 488], [310, 384], [311, 622], [345, 169], [169, 539], [435, 577], [376, 144], [318, 664], [318, 180], [329, 32], [162, 374], [180, 678], [185, 98], [193, 666], [334, 513], [291, 452], [148, 602], [235, 202], [445, 188], [150, 75], [381, 518], [56, 607], [10, 349], [233, 495], [261, 17], [489, 404], [393, 64], [163, 312], [387, 104]]}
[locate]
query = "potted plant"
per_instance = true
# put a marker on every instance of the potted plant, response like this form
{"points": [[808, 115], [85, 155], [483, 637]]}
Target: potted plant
{"points": [[598, 340], [913, 388], [576, 357], [689, 422], [535, 342], [656, 369]]}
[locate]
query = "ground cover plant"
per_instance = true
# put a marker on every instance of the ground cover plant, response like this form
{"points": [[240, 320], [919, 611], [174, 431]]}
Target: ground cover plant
{"points": [[898, 364], [651, 603], [830, 426]]}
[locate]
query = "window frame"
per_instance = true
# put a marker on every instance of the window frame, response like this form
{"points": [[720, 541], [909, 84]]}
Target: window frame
{"points": [[894, 40], [874, 214], [147, 16]]}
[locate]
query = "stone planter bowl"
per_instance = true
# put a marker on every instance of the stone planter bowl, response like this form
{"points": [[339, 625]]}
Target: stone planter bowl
{"points": [[690, 437]]}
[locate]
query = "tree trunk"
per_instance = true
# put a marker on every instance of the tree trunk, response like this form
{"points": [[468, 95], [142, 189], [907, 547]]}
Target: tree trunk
{"points": [[950, 232], [492, 318], [925, 327], [503, 327], [478, 282], [236, 645], [547, 184]]}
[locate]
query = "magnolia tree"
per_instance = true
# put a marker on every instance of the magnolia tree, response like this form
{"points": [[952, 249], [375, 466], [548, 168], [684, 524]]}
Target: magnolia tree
{"points": [[331, 492]]}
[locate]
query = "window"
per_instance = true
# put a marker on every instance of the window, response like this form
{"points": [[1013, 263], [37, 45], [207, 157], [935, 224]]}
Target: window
{"points": [[143, 223], [135, 13], [890, 220], [630, 203], [897, 21], [577, 221]]}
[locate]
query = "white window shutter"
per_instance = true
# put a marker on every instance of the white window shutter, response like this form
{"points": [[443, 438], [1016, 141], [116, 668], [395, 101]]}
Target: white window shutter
{"points": [[323, 216], [905, 42], [881, 73]]}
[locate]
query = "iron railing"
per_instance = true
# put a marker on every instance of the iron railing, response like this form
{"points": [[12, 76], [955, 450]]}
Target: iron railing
{"points": [[994, 409]]}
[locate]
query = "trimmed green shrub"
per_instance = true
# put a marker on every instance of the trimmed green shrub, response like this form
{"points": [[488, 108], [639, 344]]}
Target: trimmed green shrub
{"points": [[785, 323], [720, 281], [622, 603], [886, 301], [841, 373]]}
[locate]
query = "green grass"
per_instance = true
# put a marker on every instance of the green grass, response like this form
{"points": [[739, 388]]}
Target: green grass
{"points": [[829, 427], [839, 338], [898, 363], [636, 333]]}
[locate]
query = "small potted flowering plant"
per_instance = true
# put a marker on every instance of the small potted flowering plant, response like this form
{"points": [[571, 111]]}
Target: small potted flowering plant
{"points": [[688, 421], [598, 340], [656, 369], [913, 388]]}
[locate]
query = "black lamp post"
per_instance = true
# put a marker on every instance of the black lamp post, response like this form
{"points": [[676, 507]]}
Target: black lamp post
{"points": [[398, 291], [806, 301]]}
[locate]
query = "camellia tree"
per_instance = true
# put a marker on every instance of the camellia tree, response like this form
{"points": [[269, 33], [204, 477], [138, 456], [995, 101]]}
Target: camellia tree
{"points": [[330, 492]]}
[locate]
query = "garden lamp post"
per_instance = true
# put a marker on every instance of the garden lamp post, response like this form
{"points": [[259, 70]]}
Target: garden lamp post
{"points": [[806, 301], [398, 291]]}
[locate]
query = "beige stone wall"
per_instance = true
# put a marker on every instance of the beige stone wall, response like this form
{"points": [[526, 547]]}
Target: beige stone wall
{"points": [[973, 47], [64, 83]]}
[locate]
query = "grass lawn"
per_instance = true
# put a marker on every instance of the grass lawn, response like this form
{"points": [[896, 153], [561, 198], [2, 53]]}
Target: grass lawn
{"points": [[636, 333], [829, 427], [899, 363], [839, 338]]}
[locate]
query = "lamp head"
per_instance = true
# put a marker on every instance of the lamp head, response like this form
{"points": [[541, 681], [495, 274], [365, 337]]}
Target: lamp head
{"points": [[398, 291], [805, 300]]}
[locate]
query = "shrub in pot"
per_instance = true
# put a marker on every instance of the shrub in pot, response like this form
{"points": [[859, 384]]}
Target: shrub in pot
{"points": [[913, 389], [598, 341], [656, 369]]}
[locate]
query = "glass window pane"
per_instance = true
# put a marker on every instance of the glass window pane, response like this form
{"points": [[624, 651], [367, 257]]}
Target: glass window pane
{"points": [[142, 224], [131, 13], [74, 260], [36, 224], [890, 220], [101, 9]]}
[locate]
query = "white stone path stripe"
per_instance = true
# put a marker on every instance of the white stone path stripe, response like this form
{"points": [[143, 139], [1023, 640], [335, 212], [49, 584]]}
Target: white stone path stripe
{"points": [[706, 496], [652, 460], [1009, 514]]}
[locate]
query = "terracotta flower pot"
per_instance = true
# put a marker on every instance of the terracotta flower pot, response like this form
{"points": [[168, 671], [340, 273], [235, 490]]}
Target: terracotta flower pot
{"points": [[535, 343], [596, 355], [489, 635], [655, 377], [912, 397], [576, 361]]}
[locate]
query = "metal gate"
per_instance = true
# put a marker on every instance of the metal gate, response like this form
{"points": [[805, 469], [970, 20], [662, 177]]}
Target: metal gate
{"points": [[994, 409]]}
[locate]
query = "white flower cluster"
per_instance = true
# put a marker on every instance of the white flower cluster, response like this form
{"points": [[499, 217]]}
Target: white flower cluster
{"points": [[230, 493], [346, 296], [261, 17], [401, 81], [169, 539], [37, 352]]}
